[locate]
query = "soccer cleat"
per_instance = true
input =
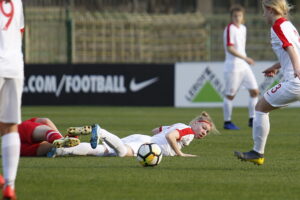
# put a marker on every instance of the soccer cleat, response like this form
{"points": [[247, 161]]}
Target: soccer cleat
{"points": [[66, 142], [95, 137], [2, 181], [74, 136], [52, 153], [251, 156], [230, 126], [82, 130], [9, 193], [250, 122]]}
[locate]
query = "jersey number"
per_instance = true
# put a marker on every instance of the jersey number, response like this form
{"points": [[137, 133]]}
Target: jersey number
{"points": [[9, 15], [276, 88]]}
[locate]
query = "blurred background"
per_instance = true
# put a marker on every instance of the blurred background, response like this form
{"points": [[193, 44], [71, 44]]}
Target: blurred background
{"points": [[138, 31]]}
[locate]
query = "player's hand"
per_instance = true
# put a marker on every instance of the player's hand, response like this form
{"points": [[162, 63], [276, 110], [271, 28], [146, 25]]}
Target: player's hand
{"points": [[297, 73], [250, 61], [270, 72]]}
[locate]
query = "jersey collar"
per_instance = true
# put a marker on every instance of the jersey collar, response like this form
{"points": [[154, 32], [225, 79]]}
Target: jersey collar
{"points": [[279, 21]]}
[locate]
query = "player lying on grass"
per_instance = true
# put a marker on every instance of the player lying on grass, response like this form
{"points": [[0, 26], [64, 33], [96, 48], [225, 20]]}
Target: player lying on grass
{"points": [[39, 135], [171, 139]]}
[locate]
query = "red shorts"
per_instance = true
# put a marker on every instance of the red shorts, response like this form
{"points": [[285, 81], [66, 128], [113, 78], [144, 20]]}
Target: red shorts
{"points": [[28, 146]]}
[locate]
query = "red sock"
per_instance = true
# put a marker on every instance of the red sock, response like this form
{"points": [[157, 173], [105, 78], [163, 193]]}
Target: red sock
{"points": [[52, 135]]}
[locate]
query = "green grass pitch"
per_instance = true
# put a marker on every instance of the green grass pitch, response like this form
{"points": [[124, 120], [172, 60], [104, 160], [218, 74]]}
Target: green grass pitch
{"points": [[214, 175]]}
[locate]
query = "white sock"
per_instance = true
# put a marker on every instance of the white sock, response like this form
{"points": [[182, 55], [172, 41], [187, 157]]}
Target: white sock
{"points": [[114, 142], [251, 106], [227, 109], [260, 132], [10, 157], [83, 149]]}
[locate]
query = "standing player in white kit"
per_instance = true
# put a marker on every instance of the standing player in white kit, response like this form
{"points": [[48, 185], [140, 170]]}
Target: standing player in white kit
{"points": [[285, 42], [11, 85], [237, 71]]}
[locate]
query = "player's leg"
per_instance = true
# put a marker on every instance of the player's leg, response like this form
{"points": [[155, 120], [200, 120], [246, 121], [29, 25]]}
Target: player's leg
{"points": [[10, 116], [278, 96], [10, 152], [134, 142], [251, 84], [46, 133], [251, 105], [260, 132], [85, 149], [232, 83], [47, 122], [110, 139], [43, 148]]}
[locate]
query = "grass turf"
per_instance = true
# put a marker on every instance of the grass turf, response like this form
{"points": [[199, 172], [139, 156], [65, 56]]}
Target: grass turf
{"points": [[215, 174]]}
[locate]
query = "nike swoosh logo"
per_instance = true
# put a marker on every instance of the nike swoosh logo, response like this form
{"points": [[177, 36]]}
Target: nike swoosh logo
{"points": [[135, 87]]}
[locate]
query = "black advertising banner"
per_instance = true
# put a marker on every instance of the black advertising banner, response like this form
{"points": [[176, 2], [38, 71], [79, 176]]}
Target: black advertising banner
{"points": [[99, 84]]}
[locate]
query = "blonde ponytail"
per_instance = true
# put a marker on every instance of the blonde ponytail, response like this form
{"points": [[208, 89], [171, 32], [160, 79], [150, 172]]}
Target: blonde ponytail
{"points": [[281, 7]]}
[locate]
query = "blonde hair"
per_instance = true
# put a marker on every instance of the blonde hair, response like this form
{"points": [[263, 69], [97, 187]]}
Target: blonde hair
{"points": [[281, 7], [205, 117]]}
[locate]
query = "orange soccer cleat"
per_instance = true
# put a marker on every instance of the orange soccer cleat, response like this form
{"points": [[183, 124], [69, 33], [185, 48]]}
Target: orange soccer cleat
{"points": [[2, 181]]}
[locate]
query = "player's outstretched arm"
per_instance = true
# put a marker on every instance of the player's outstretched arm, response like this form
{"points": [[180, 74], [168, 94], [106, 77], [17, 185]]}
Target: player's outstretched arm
{"points": [[172, 138]]}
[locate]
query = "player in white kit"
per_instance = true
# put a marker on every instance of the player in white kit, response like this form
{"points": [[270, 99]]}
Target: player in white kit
{"points": [[237, 71], [11, 85], [171, 140], [285, 42]]}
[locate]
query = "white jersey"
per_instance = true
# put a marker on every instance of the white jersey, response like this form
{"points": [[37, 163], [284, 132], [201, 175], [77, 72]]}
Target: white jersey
{"points": [[284, 34], [11, 26], [186, 137], [235, 36]]}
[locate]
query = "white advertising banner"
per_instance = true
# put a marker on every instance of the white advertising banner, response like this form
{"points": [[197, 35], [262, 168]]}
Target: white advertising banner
{"points": [[201, 84]]}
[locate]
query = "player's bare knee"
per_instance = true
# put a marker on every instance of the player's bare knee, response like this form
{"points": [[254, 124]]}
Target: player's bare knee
{"points": [[128, 152], [43, 120], [263, 106], [254, 93], [7, 128]]}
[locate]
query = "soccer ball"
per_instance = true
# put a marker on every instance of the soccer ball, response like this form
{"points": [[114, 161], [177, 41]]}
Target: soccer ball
{"points": [[149, 155]]}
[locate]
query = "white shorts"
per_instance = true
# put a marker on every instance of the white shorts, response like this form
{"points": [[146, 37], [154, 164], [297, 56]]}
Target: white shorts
{"points": [[234, 79], [283, 94], [10, 100], [133, 141]]}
